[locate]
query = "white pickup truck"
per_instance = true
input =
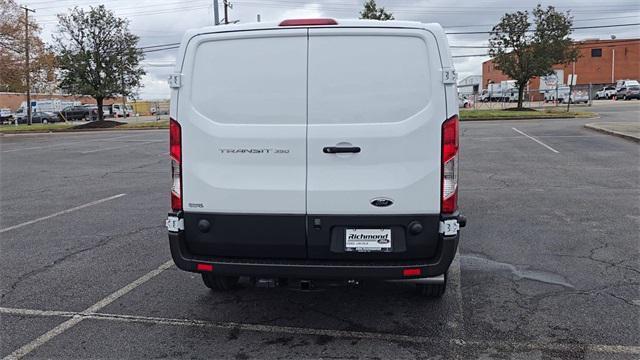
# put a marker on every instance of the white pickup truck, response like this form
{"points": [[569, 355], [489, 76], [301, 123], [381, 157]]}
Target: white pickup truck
{"points": [[6, 115], [315, 149]]}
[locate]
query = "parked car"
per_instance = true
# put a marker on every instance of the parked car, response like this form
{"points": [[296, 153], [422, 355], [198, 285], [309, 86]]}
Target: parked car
{"points": [[577, 97], [628, 92], [323, 170], [607, 92], [71, 113], [6, 115], [116, 109], [39, 117], [464, 102]]}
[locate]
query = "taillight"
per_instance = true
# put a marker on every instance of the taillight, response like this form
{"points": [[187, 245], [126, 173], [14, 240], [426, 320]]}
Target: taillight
{"points": [[175, 151], [450, 165]]}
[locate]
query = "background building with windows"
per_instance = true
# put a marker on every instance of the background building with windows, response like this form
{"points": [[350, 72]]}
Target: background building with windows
{"points": [[470, 85], [601, 62]]}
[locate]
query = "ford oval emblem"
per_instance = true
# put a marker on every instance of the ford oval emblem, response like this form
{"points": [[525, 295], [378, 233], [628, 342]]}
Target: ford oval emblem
{"points": [[381, 202]]}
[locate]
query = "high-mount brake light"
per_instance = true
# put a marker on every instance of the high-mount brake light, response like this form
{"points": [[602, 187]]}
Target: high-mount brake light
{"points": [[308, 22], [175, 151], [449, 186]]}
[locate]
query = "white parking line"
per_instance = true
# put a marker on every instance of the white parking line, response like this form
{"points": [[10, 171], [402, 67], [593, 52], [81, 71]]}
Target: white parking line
{"points": [[536, 140], [61, 213], [78, 317], [453, 341]]}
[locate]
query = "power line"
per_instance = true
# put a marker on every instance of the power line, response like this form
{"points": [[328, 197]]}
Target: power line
{"points": [[575, 20], [159, 45], [458, 46], [471, 55], [161, 49], [579, 43], [144, 13], [532, 30]]}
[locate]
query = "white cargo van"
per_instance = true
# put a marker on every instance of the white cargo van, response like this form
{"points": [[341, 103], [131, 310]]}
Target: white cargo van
{"points": [[315, 149]]}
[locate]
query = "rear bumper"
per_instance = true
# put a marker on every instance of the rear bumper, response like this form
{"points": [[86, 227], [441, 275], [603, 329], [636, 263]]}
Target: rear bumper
{"points": [[316, 269]]}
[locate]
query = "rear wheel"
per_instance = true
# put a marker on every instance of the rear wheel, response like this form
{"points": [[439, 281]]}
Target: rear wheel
{"points": [[433, 290], [220, 283]]}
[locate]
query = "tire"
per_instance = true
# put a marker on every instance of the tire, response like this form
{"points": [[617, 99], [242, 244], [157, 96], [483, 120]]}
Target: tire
{"points": [[45, 121], [625, 98], [434, 291], [220, 283]]}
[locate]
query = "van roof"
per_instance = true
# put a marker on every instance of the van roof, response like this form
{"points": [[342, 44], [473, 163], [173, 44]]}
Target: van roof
{"points": [[435, 28], [341, 23]]}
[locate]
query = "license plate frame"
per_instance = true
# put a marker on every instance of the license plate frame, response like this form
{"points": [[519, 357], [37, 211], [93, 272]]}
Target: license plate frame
{"points": [[368, 240]]}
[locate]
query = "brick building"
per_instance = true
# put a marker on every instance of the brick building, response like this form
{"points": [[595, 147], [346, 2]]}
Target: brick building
{"points": [[601, 62]]}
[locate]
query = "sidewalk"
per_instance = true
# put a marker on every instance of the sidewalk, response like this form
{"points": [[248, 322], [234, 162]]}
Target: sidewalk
{"points": [[627, 130]]}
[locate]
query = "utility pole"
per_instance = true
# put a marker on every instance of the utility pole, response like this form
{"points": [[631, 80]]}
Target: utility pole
{"points": [[216, 16], [27, 70], [571, 84], [227, 5], [124, 99]]}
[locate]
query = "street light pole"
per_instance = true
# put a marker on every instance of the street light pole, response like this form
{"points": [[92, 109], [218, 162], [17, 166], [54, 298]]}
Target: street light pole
{"points": [[27, 70], [613, 65], [216, 16]]}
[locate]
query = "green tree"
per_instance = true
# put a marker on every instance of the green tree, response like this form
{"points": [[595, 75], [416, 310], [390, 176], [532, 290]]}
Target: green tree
{"points": [[372, 11], [523, 53], [97, 54]]}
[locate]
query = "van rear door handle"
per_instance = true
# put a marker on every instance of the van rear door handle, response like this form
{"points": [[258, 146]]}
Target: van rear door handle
{"points": [[340, 149]]}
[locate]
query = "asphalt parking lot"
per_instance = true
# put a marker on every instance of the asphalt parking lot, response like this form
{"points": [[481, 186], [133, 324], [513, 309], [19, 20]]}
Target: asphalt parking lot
{"points": [[548, 265]]}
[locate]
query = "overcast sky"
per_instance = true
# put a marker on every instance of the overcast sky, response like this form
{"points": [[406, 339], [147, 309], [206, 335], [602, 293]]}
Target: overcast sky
{"points": [[164, 21]]}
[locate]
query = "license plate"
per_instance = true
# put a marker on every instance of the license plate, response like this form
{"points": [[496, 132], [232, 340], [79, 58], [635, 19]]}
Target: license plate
{"points": [[366, 240]]}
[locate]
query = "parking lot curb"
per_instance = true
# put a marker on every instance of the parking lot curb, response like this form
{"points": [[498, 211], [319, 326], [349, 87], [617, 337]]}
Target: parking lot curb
{"points": [[529, 118], [612, 132]]}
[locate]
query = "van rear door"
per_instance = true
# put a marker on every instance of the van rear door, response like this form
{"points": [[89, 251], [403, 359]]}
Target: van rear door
{"points": [[377, 95], [242, 109]]}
